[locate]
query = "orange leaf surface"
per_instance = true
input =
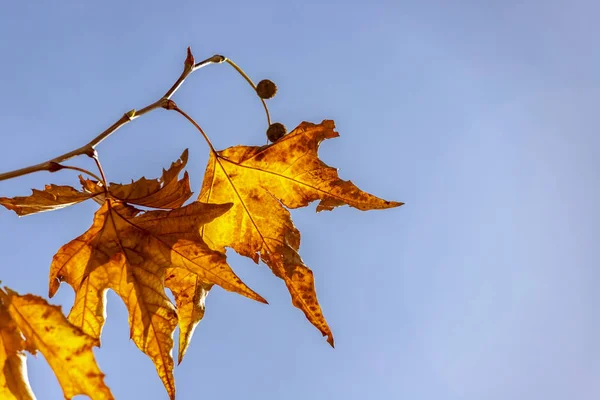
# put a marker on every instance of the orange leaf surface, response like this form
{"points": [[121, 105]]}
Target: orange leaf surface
{"points": [[53, 197], [167, 192], [261, 182], [14, 384], [129, 251], [152, 317], [65, 347]]}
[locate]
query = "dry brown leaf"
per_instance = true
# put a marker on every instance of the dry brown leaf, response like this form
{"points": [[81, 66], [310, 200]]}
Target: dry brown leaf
{"points": [[65, 347], [53, 197], [260, 181], [14, 384], [129, 251], [166, 192]]}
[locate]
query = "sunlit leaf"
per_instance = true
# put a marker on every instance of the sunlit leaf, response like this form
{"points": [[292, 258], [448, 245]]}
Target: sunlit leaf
{"points": [[166, 192], [129, 251], [14, 384], [261, 182], [53, 197], [65, 347]]}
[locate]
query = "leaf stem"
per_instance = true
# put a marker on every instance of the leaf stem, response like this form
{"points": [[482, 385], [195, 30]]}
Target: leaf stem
{"points": [[172, 106], [189, 67], [247, 78], [97, 161]]}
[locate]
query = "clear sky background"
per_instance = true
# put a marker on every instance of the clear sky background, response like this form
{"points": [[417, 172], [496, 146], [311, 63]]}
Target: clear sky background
{"points": [[481, 116]]}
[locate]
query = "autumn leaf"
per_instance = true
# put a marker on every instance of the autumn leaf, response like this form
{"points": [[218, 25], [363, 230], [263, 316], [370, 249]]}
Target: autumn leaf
{"points": [[152, 317], [190, 293], [167, 192], [53, 197], [168, 238], [129, 251], [261, 182], [14, 384], [65, 347], [245, 203], [188, 289]]}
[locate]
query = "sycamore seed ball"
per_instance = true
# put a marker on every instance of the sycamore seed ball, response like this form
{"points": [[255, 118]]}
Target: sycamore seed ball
{"points": [[266, 89], [276, 131]]}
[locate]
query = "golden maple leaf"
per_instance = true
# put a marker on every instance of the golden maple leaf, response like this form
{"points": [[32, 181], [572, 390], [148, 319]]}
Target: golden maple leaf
{"points": [[129, 251], [260, 181], [188, 288], [65, 347]]}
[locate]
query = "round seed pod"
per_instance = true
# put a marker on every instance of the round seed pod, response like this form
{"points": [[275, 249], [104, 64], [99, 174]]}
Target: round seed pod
{"points": [[266, 89], [276, 131]]}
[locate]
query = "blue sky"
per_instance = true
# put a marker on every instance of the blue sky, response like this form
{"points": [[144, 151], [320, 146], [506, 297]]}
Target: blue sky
{"points": [[480, 116]]}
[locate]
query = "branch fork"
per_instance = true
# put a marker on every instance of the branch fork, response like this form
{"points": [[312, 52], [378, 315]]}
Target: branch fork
{"points": [[88, 149]]}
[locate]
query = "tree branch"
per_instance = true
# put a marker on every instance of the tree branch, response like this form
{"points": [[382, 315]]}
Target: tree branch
{"points": [[88, 149]]}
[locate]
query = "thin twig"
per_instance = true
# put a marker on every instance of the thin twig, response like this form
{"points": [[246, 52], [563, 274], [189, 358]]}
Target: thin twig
{"points": [[104, 181], [172, 106], [251, 83], [189, 67]]}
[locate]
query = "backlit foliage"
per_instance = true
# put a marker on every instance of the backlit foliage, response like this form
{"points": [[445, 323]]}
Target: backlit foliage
{"points": [[243, 204]]}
